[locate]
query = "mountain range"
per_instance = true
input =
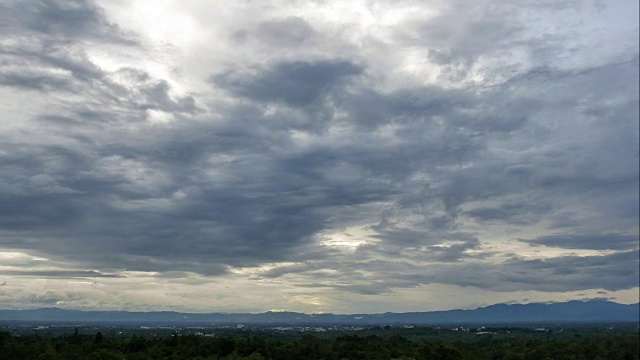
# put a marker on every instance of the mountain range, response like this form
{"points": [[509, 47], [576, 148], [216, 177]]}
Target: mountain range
{"points": [[572, 311]]}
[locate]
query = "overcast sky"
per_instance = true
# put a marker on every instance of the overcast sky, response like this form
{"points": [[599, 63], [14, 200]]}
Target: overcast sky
{"points": [[317, 156]]}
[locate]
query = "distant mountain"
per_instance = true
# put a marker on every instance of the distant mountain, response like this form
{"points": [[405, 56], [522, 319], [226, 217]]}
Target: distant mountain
{"points": [[572, 311]]}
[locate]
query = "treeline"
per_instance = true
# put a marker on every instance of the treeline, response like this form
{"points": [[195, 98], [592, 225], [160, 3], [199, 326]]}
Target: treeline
{"points": [[615, 346]]}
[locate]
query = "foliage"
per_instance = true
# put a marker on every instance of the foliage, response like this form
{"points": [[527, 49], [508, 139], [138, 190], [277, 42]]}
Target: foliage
{"points": [[418, 343]]}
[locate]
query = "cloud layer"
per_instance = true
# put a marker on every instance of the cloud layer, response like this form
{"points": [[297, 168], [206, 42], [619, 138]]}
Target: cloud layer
{"points": [[318, 151]]}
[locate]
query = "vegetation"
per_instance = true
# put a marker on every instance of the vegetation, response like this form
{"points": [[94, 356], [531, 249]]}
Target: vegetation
{"points": [[376, 343]]}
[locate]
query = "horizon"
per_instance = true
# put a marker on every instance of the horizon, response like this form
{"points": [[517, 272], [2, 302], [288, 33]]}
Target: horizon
{"points": [[592, 300], [321, 157], [577, 311]]}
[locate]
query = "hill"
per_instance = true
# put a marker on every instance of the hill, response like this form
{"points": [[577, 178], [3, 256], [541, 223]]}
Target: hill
{"points": [[572, 311]]}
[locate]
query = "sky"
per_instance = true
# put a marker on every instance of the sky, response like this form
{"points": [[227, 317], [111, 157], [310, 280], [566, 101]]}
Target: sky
{"points": [[318, 156]]}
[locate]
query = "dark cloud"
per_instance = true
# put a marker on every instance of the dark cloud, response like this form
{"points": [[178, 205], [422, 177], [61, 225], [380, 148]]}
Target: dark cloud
{"points": [[47, 42], [297, 83], [265, 204], [609, 272], [157, 97], [34, 81], [608, 241], [512, 213], [64, 21], [564, 273], [203, 195], [283, 152], [47, 67]]}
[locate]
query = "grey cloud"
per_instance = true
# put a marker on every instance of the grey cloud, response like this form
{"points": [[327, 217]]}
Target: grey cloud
{"points": [[242, 223], [473, 184], [156, 96], [47, 42], [146, 93], [91, 182], [408, 105], [608, 241], [454, 252], [295, 83], [463, 110], [34, 212], [512, 213], [565, 273], [610, 272], [65, 18], [463, 36], [371, 288], [62, 274], [47, 67], [238, 192], [33, 81], [557, 168], [69, 59], [289, 31], [291, 269], [151, 260], [406, 237], [440, 57], [63, 21], [437, 245], [457, 39]]}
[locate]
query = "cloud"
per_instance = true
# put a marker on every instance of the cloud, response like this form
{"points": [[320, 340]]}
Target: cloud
{"points": [[557, 274], [384, 149], [287, 31], [63, 274], [33, 81], [514, 213], [297, 83], [46, 40], [64, 21], [609, 241]]}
